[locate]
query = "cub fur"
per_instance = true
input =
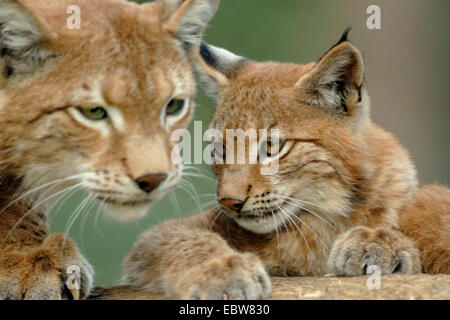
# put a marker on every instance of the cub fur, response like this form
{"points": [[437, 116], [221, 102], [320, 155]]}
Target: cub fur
{"points": [[87, 109], [345, 196]]}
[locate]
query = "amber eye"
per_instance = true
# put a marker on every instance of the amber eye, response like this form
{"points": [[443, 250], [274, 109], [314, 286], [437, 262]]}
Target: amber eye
{"points": [[175, 106], [95, 113], [271, 148]]}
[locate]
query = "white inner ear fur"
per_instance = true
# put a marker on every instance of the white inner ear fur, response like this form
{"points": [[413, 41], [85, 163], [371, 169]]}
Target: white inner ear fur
{"points": [[332, 68], [191, 19], [20, 34], [19, 30]]}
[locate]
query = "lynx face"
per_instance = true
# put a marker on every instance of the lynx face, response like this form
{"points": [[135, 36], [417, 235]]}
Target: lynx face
{"points": [[320, 111], [95, 108]]}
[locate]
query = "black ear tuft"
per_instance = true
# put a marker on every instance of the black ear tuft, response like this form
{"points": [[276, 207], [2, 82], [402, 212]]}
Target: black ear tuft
{"points": [[336, 80], [207, 55], [187, 20], [344, 36]]}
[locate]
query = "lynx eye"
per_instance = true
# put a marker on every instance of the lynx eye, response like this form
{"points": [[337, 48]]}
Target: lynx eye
{"points": [[271, 148], [175, 106], [95, 113]]}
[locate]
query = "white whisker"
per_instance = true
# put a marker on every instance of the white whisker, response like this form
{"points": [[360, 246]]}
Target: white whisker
{"points": [[98, 213], [75, 215], [308, 227], [57, 181], [36, 206], [85, 218], [277, 236], [174, 202], [190, 190], [297, 203], [300, 201], [296, 226], [219, 213]]}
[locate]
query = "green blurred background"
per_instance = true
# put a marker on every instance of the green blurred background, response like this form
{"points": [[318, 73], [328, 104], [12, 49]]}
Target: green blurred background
{"points": [[407, 71]]}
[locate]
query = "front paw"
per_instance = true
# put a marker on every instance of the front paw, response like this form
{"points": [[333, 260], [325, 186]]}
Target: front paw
{"points": [[359, 248], [233, 277], [54, 270]]}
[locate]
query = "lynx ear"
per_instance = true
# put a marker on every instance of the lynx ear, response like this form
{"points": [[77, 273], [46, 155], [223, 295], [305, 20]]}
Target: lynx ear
{"points": [[22, 36], [187, 19], [336, 81], [219, 64]]}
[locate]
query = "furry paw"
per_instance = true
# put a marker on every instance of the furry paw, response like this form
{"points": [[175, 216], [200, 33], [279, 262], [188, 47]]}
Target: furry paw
{"points": [[359, 248], [234, 277], [55, 270]]}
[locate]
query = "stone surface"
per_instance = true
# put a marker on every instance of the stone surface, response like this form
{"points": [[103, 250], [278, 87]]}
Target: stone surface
{"points": [[392, 287]]}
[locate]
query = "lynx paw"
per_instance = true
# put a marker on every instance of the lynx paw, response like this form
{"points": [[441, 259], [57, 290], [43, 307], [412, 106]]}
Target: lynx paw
{"points": [[359, 248], [234, 277], [55, 270]]}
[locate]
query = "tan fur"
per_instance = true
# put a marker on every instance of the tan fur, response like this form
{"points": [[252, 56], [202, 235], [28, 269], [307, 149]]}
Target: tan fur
{"points": [[130, 59], [426, 219], [347, 179]]}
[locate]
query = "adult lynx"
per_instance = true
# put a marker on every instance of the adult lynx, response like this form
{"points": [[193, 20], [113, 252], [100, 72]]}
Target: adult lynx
{"points": [[90, 108]]}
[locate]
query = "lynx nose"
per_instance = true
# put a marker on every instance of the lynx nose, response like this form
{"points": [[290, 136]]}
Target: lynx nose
{"points": [[150, 182], [232, 204]]}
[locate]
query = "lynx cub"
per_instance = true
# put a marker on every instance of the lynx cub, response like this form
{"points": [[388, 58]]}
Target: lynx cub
{"points": [[345, 197]]}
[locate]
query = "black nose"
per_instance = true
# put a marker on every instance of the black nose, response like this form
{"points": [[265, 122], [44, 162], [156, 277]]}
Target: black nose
{"points": [[150, 182], [232, 204]]}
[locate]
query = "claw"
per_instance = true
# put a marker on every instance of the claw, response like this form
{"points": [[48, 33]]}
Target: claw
{"points": [[74, 289], [75, 294]]}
